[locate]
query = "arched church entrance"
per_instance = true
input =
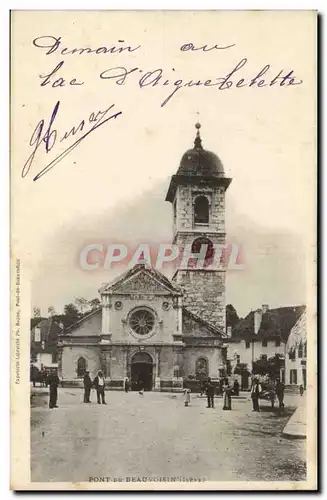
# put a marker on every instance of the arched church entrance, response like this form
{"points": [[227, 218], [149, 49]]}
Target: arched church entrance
{"points": [[141, 372]]}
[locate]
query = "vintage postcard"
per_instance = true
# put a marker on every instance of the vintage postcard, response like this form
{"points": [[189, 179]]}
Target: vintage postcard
{"points": [[163, 246]]}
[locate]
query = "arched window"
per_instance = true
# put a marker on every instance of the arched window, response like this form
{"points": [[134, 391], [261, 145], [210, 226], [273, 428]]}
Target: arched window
{"points": [[196, 248], [81, 367], [201, 368], [201, 210]]}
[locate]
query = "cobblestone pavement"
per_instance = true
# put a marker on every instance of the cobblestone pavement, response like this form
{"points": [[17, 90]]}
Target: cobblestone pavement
{"points": [[155, 435]]}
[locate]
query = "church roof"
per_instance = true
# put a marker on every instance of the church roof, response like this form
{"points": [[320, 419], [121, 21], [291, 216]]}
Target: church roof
{"points": [[197, 319], [87, 316], [141, 268]]}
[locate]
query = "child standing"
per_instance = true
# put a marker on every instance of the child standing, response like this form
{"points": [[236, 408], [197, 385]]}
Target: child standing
{"points": [[187, 397]]}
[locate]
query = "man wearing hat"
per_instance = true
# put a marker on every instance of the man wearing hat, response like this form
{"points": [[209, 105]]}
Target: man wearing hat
{"points": [[87, 387]]}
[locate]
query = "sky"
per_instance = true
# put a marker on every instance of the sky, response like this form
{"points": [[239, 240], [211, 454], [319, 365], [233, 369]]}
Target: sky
{"points": [[113, 185]]}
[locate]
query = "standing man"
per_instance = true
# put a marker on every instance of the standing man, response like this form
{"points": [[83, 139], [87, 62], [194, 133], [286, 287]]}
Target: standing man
{"points": [[227, 390], [255, 391], [126, 385], [87, 387], [210, 390], [280, 389], [99, 385], [53, 381], [236, 387]]}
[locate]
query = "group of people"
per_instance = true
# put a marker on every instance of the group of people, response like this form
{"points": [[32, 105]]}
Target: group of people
{"points": [[207, 387], [225, 387], [98, 384], [278, 390], [229, 389]]}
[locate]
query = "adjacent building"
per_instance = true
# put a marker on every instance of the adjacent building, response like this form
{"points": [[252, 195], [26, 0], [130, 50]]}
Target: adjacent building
{"points": [[44, 338], [262, 334], [296, 354]]}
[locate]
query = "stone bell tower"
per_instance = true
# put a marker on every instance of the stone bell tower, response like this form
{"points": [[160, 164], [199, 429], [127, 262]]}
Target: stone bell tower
{"points": [[197, 193]]}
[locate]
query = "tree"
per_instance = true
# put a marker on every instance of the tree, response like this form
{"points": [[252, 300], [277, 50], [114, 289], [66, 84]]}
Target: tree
{"points": [[51, 311], [232, 317], [82, 304], [270, 366], [36, 312], [70, 315], [94, 304]]}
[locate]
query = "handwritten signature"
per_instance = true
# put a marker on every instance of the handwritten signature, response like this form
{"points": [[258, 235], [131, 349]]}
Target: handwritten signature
{"points": [[45, 135]]}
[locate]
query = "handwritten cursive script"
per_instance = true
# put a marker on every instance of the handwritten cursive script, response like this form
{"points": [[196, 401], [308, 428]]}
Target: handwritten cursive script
{"points": [[158, 77], [54, 44], [45, 135]]}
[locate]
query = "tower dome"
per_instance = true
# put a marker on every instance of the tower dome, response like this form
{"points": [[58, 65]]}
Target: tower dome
{"points": [[198, 167], [199, 162]]}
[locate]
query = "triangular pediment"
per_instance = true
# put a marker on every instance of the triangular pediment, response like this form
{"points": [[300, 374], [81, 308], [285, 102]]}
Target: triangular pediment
{"points": [[141, 279]]}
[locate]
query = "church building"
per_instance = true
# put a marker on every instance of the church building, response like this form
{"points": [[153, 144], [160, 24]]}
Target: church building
{"points": [[150, 329]]}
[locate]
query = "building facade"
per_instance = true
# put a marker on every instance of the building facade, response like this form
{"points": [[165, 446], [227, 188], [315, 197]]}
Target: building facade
{"points": [[44, 337], [261, 335], [296, 355], [155, 331]]}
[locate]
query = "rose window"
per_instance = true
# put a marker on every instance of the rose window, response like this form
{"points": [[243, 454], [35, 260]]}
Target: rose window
{"points": [[142, 322]]}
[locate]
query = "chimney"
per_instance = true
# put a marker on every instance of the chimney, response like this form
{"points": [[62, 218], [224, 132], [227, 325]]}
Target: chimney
{"points": [[257, 320], [229, 332], [265, 308]]}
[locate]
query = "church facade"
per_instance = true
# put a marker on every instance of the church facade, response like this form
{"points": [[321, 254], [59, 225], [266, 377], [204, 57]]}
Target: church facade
{"points": [[149, 329]]}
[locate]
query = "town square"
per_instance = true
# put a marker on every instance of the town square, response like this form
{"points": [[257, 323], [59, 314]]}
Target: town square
{"points": [[156, 436]]}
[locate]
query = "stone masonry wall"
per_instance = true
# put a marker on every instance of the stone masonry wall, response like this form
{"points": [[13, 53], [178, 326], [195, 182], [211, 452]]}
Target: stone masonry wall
{"points": [[204, 290], [184, 207], [70, 357], [204, 295], [212, 354]]}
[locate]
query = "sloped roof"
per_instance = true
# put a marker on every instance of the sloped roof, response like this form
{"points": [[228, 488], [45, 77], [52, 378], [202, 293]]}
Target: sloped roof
{"points": [[275, 323], [35, 321], [212, 329], [138, 268], [299, 332], [81, 320]]}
